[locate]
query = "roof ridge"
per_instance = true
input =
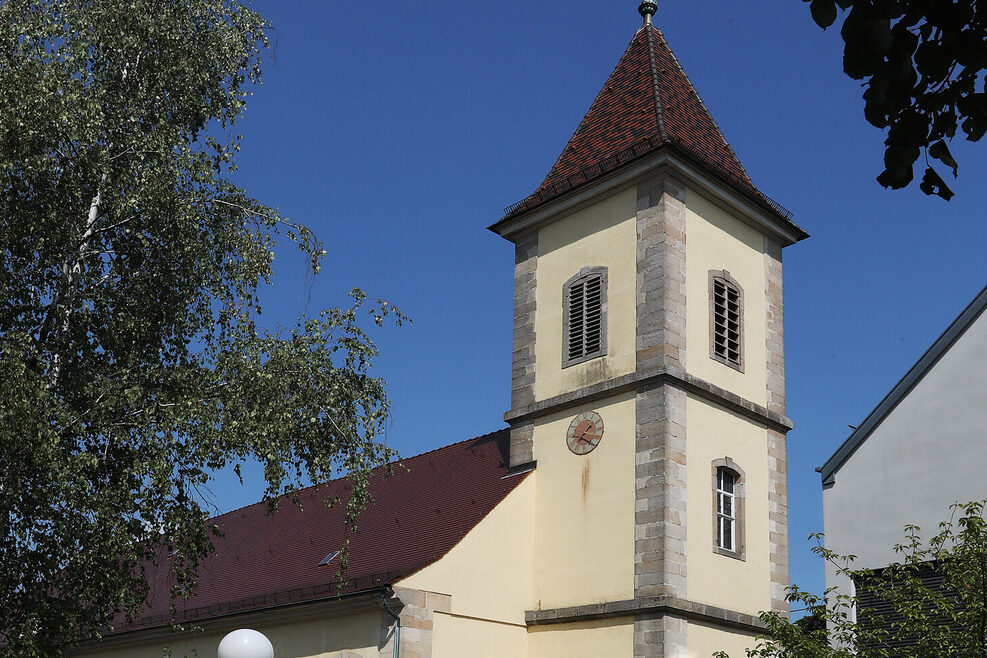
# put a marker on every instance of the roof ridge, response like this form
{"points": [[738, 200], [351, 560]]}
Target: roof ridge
{"points": [[413, 570], [400, 460], [702, 103], [912, 377], [648, 94], [582, 121], [650, 32], [451, 445]]}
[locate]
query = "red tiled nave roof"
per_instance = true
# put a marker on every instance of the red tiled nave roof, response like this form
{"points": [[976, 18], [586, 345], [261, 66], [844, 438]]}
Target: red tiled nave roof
{"points": [[419, 513]]}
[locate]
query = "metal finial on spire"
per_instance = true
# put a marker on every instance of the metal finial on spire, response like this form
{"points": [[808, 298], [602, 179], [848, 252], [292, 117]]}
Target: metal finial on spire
{"points": [[648, 9]]}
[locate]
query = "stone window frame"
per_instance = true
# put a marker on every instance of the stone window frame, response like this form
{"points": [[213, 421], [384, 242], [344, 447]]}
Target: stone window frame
{"points": [[724, 276], [583, 274], [740, 508]]}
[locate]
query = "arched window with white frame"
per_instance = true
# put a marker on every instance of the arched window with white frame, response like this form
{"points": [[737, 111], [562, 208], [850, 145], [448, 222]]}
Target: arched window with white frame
{"points": [[728, 508]]}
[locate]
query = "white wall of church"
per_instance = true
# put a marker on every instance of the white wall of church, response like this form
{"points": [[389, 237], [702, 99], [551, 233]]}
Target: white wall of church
{"points": [[488, 573], [926, 454], [602, 234], [714, 579], [716, 240], [456, 636], [351, 636], [588, 639], [584, 510], [705, 639]]}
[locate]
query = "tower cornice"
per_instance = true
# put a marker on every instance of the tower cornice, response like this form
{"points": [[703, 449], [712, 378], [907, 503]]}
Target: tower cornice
{"points": [[643, 379], [751, 210]]}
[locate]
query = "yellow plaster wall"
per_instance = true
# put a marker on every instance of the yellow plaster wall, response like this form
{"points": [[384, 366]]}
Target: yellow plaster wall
{"points": [[705, 639], [488, 574], [604, 234], [716, 579], [455, 637], [336, 637], [591, 639], [716, 240], [584, 510]]}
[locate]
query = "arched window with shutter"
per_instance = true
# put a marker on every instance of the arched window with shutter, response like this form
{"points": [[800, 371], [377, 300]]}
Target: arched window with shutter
{"points": [[726, 320], [584, 316]]}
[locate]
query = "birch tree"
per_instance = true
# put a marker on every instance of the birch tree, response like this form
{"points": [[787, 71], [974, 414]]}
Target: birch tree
{"points": [[132, 363]]}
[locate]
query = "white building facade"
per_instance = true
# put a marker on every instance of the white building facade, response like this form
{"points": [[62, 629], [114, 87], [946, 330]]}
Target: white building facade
{"points": [[920, 451]]}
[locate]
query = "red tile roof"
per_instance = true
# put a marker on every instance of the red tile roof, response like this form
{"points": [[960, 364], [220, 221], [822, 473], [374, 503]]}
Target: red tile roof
{"points": [[647, 103], [647, 96], [419, 513]]}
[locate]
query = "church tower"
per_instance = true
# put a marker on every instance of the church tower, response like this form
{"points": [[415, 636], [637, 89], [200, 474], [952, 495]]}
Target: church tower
{"points": [[648, 381]]}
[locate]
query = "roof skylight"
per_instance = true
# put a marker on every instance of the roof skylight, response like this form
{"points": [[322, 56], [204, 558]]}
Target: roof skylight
{"points": [[328, 558]]}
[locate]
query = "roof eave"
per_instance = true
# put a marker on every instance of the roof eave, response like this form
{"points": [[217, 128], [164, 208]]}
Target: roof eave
{"points": [[518, 222], [335, 605], [903, 387]]}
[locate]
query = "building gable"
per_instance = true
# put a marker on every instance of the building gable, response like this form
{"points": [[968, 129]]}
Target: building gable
{"points": [[973, 313]]}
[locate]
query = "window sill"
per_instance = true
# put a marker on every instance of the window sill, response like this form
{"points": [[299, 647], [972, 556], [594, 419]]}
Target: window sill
{"points": [[731, 554], [583, 359], [739, 367]]}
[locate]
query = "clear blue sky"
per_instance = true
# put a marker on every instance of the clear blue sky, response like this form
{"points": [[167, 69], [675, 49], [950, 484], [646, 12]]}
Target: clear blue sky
{"points": [[399, 131]]}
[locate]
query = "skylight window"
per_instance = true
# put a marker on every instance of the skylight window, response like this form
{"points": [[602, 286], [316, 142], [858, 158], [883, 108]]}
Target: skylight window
{"points": [[329, 558]]}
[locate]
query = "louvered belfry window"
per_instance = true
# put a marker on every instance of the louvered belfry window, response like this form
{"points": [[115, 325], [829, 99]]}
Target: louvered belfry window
{"points": [[727, 320], [584, 316]]}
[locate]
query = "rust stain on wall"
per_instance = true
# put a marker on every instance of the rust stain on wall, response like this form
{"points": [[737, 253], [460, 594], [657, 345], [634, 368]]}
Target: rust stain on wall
{"points": [[585, 480]]}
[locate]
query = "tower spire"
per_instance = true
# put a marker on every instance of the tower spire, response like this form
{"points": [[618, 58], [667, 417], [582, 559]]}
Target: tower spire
{"points": [[648, 9]]}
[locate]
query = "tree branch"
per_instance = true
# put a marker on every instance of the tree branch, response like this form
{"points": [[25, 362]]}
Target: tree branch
{"points": [[256, 213], [71, 270]]}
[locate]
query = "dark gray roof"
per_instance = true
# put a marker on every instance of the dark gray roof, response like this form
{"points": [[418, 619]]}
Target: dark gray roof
{"points": [[901, 389]]}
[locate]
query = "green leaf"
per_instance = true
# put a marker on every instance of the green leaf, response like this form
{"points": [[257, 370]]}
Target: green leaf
{"points": [[933, 60], [933, 184], [823, 12], [875, 103], [940, 152], [898, 162]]}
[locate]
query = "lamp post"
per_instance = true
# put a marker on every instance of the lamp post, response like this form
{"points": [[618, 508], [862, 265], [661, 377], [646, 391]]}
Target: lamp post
{"points": [[245, 643]]}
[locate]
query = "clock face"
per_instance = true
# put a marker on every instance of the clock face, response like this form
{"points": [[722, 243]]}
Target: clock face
{"points": [[585, 432]]}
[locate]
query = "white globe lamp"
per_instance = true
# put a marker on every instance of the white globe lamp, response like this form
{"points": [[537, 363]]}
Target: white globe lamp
{"points": [[245, 643]]}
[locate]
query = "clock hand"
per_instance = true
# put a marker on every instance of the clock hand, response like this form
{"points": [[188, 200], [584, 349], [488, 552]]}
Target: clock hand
{"points": [[587, 438]]}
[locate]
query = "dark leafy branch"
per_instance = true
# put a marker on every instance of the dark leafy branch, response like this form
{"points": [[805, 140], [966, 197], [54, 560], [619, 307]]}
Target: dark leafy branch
{"points": [[922, 63]]}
